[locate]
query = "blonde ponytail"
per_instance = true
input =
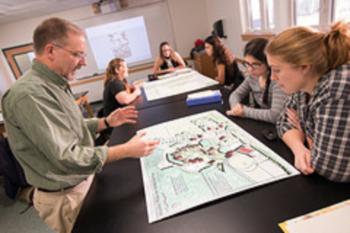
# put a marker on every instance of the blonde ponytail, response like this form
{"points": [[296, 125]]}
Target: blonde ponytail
{"points": [[111, 74], [337, 44], [306, 46]]}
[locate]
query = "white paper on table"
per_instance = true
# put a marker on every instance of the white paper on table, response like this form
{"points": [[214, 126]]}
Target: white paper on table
{"points": [[334, 218], [201, 158], [177, 84]]}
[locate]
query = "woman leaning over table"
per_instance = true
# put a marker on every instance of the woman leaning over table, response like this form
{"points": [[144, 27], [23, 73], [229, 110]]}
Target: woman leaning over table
{"points": [[267, 97], [313, 67]]}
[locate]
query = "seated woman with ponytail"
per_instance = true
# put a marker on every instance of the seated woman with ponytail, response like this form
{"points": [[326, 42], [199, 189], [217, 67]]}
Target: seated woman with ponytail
{"points": [[314, 68], [118, 92], [268, 98]]}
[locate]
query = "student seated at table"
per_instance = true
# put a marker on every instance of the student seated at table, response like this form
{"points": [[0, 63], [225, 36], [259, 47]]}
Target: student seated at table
{"points": [[314, 67], [267, 96], [227, 70], [168, 60], [117, 91]]}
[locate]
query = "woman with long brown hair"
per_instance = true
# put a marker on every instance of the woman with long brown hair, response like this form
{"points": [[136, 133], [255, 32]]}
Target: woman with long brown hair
{"points": [[117, 91], [314, 68], [226, 67], [168, 60]]}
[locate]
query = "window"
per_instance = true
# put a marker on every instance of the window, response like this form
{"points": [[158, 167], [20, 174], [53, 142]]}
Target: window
{"points": [[307, 12], [19, 58], [259, 15], [320, 13], [316, 13], [341, 10], [255, 14], [271, 14]]}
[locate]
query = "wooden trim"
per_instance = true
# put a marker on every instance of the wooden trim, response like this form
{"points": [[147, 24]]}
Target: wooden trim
{"points": [[10, 54], [2, 130], [250, 36], [99, 77], [87, 80], [141, 67]]}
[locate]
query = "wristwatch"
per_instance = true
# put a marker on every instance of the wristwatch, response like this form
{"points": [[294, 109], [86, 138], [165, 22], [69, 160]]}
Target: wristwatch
{"points": [[106, 122]]}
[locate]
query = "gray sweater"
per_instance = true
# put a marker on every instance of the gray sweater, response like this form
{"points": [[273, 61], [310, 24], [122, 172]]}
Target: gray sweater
{"points": [[267, 112]]}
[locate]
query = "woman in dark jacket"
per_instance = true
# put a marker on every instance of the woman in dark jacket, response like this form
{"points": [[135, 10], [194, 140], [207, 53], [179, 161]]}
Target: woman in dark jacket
{"points": [[227, 69]]}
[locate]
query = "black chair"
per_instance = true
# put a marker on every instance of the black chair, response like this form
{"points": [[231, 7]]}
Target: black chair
{"points": [[11, 170], [100, 113]]}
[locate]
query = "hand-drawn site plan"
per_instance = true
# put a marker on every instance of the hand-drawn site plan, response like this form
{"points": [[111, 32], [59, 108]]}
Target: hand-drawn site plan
{"points": [[202, 158]]}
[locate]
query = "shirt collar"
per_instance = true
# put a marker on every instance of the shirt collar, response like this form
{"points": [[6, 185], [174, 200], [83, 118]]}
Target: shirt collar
{"points": [[50, 75], [320, 83]]}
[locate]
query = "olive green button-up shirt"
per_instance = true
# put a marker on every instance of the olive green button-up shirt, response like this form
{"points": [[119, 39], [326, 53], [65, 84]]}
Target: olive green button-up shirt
{"points": [[47, 132]]}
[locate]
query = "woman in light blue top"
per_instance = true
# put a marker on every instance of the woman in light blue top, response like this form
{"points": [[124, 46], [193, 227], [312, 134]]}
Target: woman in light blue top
{"points": [[266, 96]]}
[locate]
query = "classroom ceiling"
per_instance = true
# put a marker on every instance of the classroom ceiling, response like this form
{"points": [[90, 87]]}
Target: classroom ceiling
{"points": [[16, 10]]}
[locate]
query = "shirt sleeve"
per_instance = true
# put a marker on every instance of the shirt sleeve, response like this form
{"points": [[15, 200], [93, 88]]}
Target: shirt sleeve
{"points": [[51, 133], [282, 123], [331, 139], [92, 124], [117, 86], [271, 114], [240, 93]]}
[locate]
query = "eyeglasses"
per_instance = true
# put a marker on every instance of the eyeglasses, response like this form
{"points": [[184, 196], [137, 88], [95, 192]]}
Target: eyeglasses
{"points": [[245, 65], [77, 54]]}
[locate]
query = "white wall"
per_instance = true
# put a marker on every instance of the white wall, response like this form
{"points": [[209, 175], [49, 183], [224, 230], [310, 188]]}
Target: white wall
{"points": [[189, 22], [229, 11], [21, 32]]}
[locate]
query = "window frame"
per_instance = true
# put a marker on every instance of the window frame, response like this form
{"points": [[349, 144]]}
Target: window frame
{"points": [[10, 55], [325, 14], [333, 13], [265, 27], [288, 8]]}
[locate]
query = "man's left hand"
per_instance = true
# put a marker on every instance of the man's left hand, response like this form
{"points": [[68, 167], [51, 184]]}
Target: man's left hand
{"points": [[122, 115]]}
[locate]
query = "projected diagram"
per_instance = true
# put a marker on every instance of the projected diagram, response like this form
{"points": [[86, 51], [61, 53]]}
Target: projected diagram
{"points": [[202, 158], [126, 39], [120, 44]]}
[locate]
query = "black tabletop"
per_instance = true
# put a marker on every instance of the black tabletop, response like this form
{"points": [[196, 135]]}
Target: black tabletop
{"points": [[116, 200]]}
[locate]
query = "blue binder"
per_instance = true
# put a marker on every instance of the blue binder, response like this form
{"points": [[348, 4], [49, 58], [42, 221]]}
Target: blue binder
{"points": [[203, 97]]}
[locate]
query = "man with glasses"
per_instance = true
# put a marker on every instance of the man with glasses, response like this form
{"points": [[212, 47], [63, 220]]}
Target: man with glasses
{"points": [[47, 132]]}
